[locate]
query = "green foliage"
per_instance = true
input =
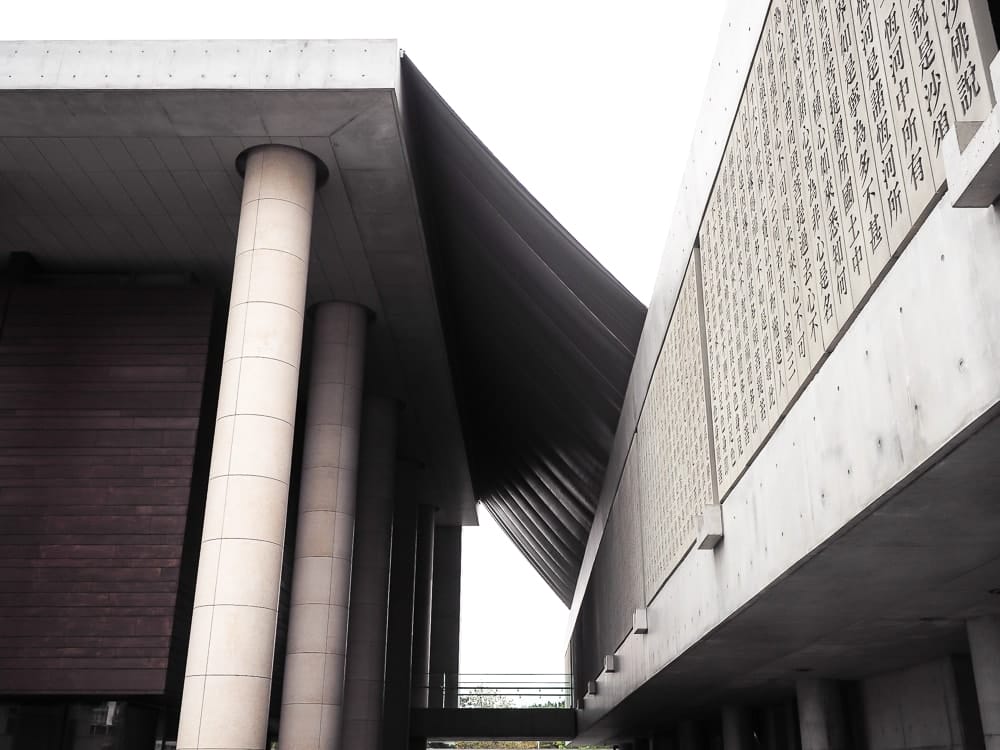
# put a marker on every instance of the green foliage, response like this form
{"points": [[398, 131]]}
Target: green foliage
{"points": [[484, 698]]}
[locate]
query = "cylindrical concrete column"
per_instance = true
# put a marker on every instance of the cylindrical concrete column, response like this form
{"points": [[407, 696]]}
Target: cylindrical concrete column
{"points": [[423, 605], [822, 725], [399, 625], [984, 644], [446, 611], [366, 633], [227, 683], [793, 737], [312, 698], [688, 736], [775, 728], [736, 731]]}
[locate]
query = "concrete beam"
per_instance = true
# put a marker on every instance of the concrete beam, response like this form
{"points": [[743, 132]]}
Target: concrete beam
{"points": [[494, 723]]}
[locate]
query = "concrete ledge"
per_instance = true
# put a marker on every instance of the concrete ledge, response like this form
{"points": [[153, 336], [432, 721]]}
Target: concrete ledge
{"points": [[199, 64]]}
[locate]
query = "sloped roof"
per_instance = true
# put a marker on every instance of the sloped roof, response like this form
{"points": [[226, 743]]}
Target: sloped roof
{"points": [[540, 336]]}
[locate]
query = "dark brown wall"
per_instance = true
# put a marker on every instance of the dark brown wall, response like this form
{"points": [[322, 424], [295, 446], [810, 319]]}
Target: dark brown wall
{"points": [[100, 396]]}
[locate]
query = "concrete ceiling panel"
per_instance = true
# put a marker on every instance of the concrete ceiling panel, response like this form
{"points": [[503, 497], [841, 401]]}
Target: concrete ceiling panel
{"points": [[381, 191], [370, 140]]}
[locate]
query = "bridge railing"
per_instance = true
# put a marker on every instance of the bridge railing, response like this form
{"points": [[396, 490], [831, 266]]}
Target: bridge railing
{"points": [[510, 690]]}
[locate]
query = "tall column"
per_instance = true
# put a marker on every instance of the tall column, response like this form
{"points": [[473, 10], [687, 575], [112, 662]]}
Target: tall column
{"points": [[399, 625], [366, 632], [446, 610], [793, 736], [736, 732], [227, 682], [822, 725], [688, 737], [777, 729], [984, 643], [312, 699], [422, 605]]}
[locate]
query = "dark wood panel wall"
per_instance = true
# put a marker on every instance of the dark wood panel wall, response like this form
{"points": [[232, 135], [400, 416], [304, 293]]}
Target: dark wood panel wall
{"points": [[100, 396]]}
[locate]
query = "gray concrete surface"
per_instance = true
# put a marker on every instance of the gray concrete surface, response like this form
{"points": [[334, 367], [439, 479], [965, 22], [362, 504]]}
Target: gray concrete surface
{"points": [[446, 612], [861, 536], [312, 701], [984, 641], [822, 721], [227, 681], [145, 158], [494, 723], [364, 681], [916, 707], [399, 626], [423, 598]]}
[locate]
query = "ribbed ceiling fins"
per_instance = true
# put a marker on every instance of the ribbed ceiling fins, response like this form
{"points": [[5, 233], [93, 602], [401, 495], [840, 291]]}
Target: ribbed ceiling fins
{"points": [[540, 336], [540, 560]]}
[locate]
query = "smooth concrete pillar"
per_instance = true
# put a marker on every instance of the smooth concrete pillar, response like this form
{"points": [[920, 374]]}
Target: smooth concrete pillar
{"points": [[736, 730], [312, 698], [227, 683], [399, 626], [446, 611], [780, 728], [984, 644], [822, 723], [793, 737], [366, 632], [423, 591], [688, 736]]}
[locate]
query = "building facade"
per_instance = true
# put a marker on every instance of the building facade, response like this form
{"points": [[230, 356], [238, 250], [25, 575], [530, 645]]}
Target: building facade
{"points": [[796, 541], [275, 321]]}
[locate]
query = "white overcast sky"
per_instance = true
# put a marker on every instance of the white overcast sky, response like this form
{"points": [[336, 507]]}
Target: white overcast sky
{"points": [[591, 105]]}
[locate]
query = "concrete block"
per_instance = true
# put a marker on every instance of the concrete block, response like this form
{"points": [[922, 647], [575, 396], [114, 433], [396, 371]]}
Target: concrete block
{"points": [[640, 625], [710, 531]]}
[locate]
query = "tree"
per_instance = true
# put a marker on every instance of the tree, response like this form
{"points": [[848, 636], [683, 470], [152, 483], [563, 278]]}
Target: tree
{"points": [[482, 697]]}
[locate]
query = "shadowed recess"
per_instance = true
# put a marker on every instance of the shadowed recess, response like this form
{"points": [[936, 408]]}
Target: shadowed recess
{"points": [[541, 338]]}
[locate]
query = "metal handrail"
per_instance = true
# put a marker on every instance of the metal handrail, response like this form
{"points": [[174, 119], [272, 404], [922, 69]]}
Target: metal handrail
{"points": [[499, 690]]}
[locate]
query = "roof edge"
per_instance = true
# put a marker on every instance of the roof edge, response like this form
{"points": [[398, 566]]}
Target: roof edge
{"points": [[130, 65]]}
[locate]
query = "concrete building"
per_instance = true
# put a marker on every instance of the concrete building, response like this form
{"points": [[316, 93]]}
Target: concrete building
{"points": [[274, 322], [796, 542]]}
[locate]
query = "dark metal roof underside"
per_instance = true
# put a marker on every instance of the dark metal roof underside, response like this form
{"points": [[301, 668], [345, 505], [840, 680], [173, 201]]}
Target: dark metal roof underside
{"points": [[540, 336]]}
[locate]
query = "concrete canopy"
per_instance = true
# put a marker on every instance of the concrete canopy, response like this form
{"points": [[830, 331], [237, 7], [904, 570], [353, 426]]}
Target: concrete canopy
{"points": [[508, 343], [120, 157]]}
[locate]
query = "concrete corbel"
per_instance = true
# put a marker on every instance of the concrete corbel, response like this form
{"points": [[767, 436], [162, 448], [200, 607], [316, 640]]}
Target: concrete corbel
{"points": [[710, 531]]}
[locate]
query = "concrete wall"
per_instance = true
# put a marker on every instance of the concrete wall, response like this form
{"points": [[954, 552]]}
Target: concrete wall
{"points": [[666, 483], [911, 376], [918, 707], [872, 417]]}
